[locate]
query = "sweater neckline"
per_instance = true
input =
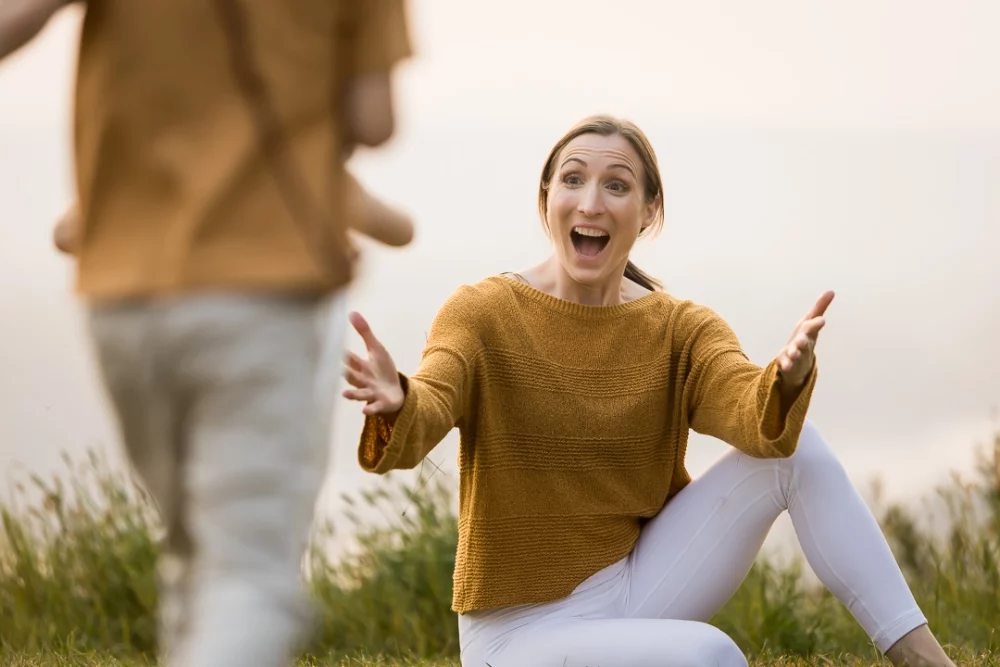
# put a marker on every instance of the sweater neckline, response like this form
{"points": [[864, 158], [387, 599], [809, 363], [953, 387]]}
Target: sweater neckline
{"points": [[578, 309]]}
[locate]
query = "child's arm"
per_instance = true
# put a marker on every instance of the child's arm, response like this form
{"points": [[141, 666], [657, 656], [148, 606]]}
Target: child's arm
{"points": [[370, 217], [376, 40], [22, 20], [66, 232], [375, 219]]}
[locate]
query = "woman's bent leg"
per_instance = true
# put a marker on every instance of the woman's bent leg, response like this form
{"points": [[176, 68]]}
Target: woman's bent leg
{"points": [[693, 556], [615, 643]]}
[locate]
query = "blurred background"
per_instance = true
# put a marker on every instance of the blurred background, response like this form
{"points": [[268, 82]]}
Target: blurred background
{"points": [[852, 146]]}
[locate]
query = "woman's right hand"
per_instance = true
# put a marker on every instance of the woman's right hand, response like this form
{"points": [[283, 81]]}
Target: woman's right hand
{"points": [[375, 379]]}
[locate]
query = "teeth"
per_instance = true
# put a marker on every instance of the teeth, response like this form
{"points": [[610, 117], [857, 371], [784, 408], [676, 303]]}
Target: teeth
{"points": [[589, 231]]}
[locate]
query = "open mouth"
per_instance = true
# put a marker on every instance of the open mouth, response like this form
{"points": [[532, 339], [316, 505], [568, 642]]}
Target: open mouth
{"points": [[588, 241]]}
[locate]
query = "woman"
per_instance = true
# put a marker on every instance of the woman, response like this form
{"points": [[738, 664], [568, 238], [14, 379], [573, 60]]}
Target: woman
{"points": [[583, 542]]}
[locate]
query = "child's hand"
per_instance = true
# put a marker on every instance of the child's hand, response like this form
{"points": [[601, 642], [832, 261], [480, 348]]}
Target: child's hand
{"points": [[375, 219], [66, 233]]}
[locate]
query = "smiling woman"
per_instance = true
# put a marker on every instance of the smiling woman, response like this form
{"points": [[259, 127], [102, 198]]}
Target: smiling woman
{"points": [[583, 540], [597, 166]]}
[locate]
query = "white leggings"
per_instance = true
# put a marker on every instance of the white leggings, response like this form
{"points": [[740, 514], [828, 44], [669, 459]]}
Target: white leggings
{"points": [[652, 608]]}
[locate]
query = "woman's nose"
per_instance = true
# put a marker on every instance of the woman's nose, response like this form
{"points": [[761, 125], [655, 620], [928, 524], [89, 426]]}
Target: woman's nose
{"points": [[591, 201]]}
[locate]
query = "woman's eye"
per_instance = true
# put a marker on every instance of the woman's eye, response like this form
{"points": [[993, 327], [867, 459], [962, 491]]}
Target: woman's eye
{"points": [[618, 186], [572, 179]]}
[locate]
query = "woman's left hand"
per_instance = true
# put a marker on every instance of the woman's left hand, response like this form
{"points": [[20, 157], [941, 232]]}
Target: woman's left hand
{"points": [[796, 359]]}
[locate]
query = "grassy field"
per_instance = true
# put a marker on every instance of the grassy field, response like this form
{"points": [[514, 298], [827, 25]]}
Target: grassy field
{"points": [[102, 660], [77, 580]]}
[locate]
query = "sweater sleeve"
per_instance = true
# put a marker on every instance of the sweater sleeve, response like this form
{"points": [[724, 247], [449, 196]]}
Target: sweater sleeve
{"points": [[737, 401], [436, 395]]}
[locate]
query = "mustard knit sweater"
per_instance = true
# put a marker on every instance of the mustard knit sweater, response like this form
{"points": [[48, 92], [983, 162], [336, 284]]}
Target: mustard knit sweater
{"points": [[573, 424]]}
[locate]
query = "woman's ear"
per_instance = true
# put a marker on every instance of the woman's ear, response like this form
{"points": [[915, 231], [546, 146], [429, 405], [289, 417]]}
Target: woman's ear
{"points": [[652, 212]]}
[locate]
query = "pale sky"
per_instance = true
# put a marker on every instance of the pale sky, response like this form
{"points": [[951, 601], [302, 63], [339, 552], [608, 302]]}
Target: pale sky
{"points": [[853, 146]]}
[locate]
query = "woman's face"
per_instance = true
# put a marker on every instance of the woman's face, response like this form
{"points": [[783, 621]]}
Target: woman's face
{"points": [[596, 206]]}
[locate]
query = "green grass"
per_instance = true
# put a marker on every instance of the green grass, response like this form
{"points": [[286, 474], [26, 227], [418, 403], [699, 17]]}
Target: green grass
{"points": [[77, 580], [95, 659]]}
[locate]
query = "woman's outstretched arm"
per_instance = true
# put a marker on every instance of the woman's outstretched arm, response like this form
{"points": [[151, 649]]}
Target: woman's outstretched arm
{"points": [[407, 416], [760, 411]]}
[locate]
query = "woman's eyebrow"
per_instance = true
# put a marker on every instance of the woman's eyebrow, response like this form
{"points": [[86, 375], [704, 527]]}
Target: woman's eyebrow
{"points": [[621, 165]]}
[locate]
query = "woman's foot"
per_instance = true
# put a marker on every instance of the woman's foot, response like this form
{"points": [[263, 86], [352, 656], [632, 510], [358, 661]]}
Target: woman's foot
{"points": [[918, 648]]}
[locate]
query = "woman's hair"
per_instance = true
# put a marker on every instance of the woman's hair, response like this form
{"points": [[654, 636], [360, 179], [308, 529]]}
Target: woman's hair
{"points": [[607, 126]]}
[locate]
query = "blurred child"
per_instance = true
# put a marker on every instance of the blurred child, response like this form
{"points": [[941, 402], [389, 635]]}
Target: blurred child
{"points": [[210, 236]]}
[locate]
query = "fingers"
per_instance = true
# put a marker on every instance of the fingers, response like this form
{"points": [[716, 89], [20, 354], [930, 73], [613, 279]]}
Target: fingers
{"points": [[361, 326], [374, 405], [800, 347], [821, 305], [810, 328], [355, 362], [800, 344], [357, 371], [787, 360], [357, 379], [363, 388], [363, 374], [360, 394]]}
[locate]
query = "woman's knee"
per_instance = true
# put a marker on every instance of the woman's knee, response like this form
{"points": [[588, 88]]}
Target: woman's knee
{"points": [[636, 642], [715, 647]]}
